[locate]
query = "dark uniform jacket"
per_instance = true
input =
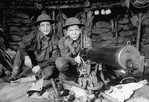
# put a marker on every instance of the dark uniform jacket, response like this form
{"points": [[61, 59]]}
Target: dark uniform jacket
{"points": [[69, 48], [45, 48]]}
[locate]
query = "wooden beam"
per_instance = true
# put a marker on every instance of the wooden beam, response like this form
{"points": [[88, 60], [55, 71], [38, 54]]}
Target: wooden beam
{"points": [[48, 7], [22, 7], [104, 5], [66, 6]]}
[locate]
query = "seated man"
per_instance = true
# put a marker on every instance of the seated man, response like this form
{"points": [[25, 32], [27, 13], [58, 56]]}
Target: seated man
{"points": [[70, 46], [39, 49]]}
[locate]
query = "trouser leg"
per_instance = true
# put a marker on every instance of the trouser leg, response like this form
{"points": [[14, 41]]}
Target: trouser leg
{"points": [[18, 66], [47, 72], [65, 68], [62, 64], [17, 62]]}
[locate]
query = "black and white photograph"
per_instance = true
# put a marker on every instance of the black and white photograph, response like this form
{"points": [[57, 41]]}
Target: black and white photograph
{"points": [[74, 50]]}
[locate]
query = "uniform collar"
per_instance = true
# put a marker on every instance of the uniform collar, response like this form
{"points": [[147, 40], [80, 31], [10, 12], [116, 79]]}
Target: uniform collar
{"points": [[71, 41], [44, 37]]}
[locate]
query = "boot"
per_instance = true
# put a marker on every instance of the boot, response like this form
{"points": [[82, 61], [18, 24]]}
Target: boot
{"points": [[12, 77], [62, 76], [69, 78]]}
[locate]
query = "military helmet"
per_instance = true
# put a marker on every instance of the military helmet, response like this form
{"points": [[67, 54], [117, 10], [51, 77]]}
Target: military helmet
{"points": [[72, 21], [44, 17]]}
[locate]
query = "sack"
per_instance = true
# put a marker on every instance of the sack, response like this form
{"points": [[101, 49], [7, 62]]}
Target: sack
{"points": [[10, 92]]}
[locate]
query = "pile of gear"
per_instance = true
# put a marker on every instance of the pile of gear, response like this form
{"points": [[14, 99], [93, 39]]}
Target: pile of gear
{"points": [[6, 56], [58, 90]]}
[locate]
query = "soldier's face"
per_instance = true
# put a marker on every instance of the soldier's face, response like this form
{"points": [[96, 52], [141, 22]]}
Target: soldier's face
{"points": [[73, 32], [45, 27]]}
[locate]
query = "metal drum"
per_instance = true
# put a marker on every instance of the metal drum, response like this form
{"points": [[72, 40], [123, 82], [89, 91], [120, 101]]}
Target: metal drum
{"points": [[117, 56]]}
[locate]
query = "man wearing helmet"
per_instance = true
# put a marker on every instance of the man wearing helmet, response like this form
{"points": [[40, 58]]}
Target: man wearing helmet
{"points": [[39, 49], [70, 46]]}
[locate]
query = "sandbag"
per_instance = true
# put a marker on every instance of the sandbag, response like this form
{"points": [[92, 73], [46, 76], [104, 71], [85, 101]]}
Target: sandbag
{"points": [[26, 21], [15, 38], [95, 37], [17, 93], [119, 40], [14, 20], [144, 91], [34, 27], [13, 28], [25, 28], [14, 45], [107, 36], [18, 14], [21, 33], [124, 20], [126, 33], [13, 24], [100, 30], [102, 24], [138, 99]]}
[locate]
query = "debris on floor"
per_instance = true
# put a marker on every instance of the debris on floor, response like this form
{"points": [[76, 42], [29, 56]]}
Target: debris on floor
{"points": [[55, 90]]}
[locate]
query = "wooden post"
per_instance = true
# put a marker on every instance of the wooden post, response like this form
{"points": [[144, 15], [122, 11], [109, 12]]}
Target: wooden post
{"points": [[54, 87], [53, 17], [139, 31]]}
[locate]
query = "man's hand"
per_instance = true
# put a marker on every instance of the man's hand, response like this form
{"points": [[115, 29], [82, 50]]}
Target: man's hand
{"points": [[78, 59], [28, 61], [36, 69]]}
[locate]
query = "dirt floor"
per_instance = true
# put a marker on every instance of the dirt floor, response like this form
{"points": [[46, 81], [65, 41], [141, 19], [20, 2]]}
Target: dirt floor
{"points": [[18, 92]]}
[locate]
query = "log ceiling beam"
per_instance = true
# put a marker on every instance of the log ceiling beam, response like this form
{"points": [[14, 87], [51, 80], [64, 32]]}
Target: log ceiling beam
{"points": [[27, 4]]}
